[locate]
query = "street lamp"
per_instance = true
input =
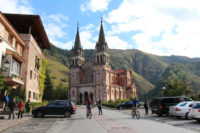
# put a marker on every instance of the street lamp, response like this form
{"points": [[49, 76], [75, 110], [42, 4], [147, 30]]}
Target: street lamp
{"points": [[7, 64], [163, 89]]}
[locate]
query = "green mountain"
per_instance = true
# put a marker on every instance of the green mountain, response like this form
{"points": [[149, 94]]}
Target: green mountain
{"points": [[148, 69]]}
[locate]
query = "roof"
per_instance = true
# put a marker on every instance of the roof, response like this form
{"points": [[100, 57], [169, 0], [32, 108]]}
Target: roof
{"points": [[120, 71], [12, 30], [30, 24]]}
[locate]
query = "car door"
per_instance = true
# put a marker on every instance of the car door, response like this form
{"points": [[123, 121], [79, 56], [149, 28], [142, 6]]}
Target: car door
{"points": [[62, 107], [196, 111], [51, 108]]}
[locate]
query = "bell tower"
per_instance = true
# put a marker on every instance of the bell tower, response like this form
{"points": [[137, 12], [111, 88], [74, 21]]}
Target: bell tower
{"points": [[77, 59], [101, 55]]}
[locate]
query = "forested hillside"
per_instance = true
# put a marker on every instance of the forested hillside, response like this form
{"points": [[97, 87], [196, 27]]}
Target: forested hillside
{"points": [[149, 71]]}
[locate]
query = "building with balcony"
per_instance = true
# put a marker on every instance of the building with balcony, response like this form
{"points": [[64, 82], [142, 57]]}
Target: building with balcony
{"points": [[32, 33], [11, 54]]}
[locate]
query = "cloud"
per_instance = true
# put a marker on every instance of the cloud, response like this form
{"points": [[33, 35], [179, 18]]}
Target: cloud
{"points": [[114, 42], [55, 26], [16, 6], [95, 5], [87, 36], [159, 26]]}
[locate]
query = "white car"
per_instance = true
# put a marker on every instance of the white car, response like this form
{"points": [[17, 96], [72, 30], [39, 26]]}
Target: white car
{"points": [[181, 109], [194, 112]]}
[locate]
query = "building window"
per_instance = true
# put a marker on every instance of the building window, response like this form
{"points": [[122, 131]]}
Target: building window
{"points": [[97, 59], [73, 93], [9, 38], [15, 69], [37, 63], [31, 74], [29, 94], [33, 95]]}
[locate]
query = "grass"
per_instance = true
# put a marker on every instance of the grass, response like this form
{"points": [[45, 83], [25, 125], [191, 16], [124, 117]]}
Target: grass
{"points": [[58, 72]]}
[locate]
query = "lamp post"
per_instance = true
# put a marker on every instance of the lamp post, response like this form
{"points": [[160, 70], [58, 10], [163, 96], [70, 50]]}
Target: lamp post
{"points": [[163, 89]]}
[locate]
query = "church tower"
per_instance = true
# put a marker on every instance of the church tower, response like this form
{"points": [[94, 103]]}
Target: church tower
{"points": [[77, 58], [101, 55]]}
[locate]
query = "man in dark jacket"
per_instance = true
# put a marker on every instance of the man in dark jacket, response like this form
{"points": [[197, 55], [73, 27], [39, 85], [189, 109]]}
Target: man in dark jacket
{"points": [[12, 106], [100, 107]]}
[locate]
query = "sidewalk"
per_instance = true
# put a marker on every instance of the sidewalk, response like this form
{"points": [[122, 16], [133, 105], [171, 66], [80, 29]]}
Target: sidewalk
{"points": [[5, 123]]}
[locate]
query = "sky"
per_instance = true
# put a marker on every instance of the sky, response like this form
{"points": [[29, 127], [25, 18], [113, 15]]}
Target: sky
{"points": [[161, 27]]}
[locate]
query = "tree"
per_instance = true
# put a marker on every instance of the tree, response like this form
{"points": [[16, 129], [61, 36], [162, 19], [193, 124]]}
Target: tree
{"points": [[2, 79], [48, 88], [61, 92], [175, 87]]}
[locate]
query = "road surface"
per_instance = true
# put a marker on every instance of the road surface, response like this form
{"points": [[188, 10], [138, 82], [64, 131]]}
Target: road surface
{"points": [[112, 121]]}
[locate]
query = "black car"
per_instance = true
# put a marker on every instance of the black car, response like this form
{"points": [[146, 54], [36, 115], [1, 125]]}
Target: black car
{"points": [[57, 107], [160, 105], [124, 105]]}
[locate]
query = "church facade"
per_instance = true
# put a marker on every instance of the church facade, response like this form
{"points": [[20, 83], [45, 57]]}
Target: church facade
{"points": [[96, 79]]}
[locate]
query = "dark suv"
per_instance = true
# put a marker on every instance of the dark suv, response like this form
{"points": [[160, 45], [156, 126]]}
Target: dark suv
{"points": [[57, 107], [160, 105]]}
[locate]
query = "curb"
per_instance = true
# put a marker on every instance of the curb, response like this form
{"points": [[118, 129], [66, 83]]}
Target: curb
{"points": [[14, 124]]}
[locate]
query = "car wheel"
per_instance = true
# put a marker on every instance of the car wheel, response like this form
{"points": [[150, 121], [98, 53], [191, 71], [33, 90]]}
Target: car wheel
{"points": [[34, 116], [186, 115], [120, 107], [40, 114], [198, 120], [160, 115], [67, 114], [178, 117]]}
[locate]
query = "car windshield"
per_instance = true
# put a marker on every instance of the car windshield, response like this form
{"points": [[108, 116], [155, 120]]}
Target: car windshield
{"points": [[196, 106], [51, 104], [182, 104]]}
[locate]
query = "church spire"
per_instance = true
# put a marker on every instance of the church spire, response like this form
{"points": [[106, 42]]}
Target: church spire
{"points": [[77, 40], [101, 44]]}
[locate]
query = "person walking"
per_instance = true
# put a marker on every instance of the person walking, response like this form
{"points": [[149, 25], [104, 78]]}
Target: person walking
{"points": [[6, 101], [28, 106], [100, 107], [146, 107], [20, 105], [12, 106]]}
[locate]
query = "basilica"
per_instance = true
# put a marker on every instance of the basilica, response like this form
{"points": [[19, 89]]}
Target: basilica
{"points": [[95, 78]]}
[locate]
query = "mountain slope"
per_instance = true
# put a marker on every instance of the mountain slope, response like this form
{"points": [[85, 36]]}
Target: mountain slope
{"points": [[148, 69]]}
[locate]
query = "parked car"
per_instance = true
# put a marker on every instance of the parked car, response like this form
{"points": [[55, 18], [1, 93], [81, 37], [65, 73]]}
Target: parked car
{"points": [[181, 109], [194, 112], [124, 105], [57, 107], [160, 105]]}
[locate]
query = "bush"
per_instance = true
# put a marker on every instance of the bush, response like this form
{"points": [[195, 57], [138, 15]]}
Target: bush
{"points": [[112, 104], [37, 104]]}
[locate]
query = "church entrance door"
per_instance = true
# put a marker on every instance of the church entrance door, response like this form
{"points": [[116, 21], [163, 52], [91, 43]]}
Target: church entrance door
{"points": [[91, 96], [85, 96], [81, 96]]}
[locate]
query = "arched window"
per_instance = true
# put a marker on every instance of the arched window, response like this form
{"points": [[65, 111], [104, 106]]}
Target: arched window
{"points": [[101, 58], [97, 59]]}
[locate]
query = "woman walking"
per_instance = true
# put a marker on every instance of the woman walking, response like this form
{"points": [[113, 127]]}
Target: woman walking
{"points": [[20, 105]]}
